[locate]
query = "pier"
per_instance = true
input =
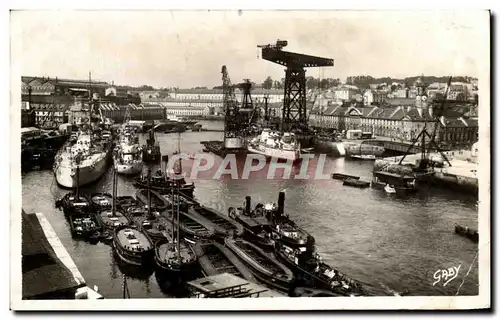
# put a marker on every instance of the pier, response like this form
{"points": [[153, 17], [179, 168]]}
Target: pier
{"points": [[48, 270]]}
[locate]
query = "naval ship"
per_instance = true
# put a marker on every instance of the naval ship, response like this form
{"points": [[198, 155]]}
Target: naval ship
{"points": [[83, 159]]}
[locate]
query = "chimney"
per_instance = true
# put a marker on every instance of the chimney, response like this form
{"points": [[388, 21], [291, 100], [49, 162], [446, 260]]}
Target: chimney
{"points": [[281, 203], [248, 202]]}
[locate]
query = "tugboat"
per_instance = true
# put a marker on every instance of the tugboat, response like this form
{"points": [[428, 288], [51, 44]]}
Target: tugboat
{"points": [[311, 272], [283, 227], [74, 202], [264, 267], [132, 246], [175, 255], [215, 258], [258, 229], [151, 153], [161, 182], [127, 156]]}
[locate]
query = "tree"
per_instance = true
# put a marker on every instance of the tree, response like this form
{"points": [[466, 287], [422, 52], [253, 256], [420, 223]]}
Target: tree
{"points": [[324, 83], [268, 83]]}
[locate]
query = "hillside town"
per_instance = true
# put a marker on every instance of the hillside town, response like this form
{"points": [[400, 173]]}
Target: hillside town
{"points": [[395, 110]]}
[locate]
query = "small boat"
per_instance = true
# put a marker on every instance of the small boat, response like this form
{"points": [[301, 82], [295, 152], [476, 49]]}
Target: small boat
{"points": [[94, 237], [83, 225], [175, 257], [356, 183], [215, 258], [363, 157], [74, 204], [389, 189], [468, 233], [343, 176], [106, 236], [132, 246], [101, 201], [157, 201], [263, 266]]}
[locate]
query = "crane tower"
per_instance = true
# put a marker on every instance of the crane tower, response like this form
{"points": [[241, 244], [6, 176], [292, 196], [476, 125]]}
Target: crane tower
{"points": [[294, 113], [234, 123]]}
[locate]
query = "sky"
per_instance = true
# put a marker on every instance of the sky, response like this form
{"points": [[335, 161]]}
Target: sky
{"points": [[188, 48]]}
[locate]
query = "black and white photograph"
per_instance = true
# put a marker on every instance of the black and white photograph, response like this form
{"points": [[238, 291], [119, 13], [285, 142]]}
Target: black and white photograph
{"points": [[295, 160]]}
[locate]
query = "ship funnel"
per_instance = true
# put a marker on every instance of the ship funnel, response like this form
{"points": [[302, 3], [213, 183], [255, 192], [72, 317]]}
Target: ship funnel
{"points": [[281, 203], [248, 202]]}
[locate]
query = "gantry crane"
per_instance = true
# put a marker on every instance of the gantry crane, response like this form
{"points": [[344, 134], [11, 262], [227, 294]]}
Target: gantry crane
{"points": [[294, 113]]}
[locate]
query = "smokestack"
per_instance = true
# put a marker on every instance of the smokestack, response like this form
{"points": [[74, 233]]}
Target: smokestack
{"points": [[281, 203], [248, 202]]}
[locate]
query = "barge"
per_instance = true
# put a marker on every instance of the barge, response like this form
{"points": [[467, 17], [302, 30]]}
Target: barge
{"points": [[264, 267], [215, 258], [356, 183], [157, 201], [132, 246], [177, 257], [468, 233]]}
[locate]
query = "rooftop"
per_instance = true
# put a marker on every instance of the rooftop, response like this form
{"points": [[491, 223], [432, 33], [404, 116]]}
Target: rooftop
{"points": [[47, 267], [226, 283]]}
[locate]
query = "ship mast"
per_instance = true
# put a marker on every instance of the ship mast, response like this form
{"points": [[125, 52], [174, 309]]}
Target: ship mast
{"points": [[149, 192], [115, 189], [178, 218]]}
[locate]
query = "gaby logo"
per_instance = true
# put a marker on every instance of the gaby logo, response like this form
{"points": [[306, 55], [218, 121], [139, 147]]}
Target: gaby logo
{"points": [[208, 166]]}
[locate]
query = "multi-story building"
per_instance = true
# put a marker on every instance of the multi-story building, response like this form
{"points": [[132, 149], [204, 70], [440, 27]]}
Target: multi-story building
{"points": [[346, 92], [400, 93], [398, 123], [372, 96], [55, 86]]}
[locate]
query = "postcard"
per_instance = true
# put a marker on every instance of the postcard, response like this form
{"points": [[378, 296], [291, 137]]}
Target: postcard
{"points": [[250, 160]]}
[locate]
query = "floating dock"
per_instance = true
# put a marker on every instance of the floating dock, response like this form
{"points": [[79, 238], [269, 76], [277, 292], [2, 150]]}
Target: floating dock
{"points": [[461, 175]]}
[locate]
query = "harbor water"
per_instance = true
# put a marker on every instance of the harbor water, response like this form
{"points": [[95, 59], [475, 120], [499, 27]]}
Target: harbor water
{"points": [[393, 242]]}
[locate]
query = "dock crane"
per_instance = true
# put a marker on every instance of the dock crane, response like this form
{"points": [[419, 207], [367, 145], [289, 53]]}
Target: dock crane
{"points": [[294, 113], [440, 109], [234, 122]]}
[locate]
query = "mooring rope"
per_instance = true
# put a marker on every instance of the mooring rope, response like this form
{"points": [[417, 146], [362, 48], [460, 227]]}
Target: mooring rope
{"points": [[468, 271]]}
